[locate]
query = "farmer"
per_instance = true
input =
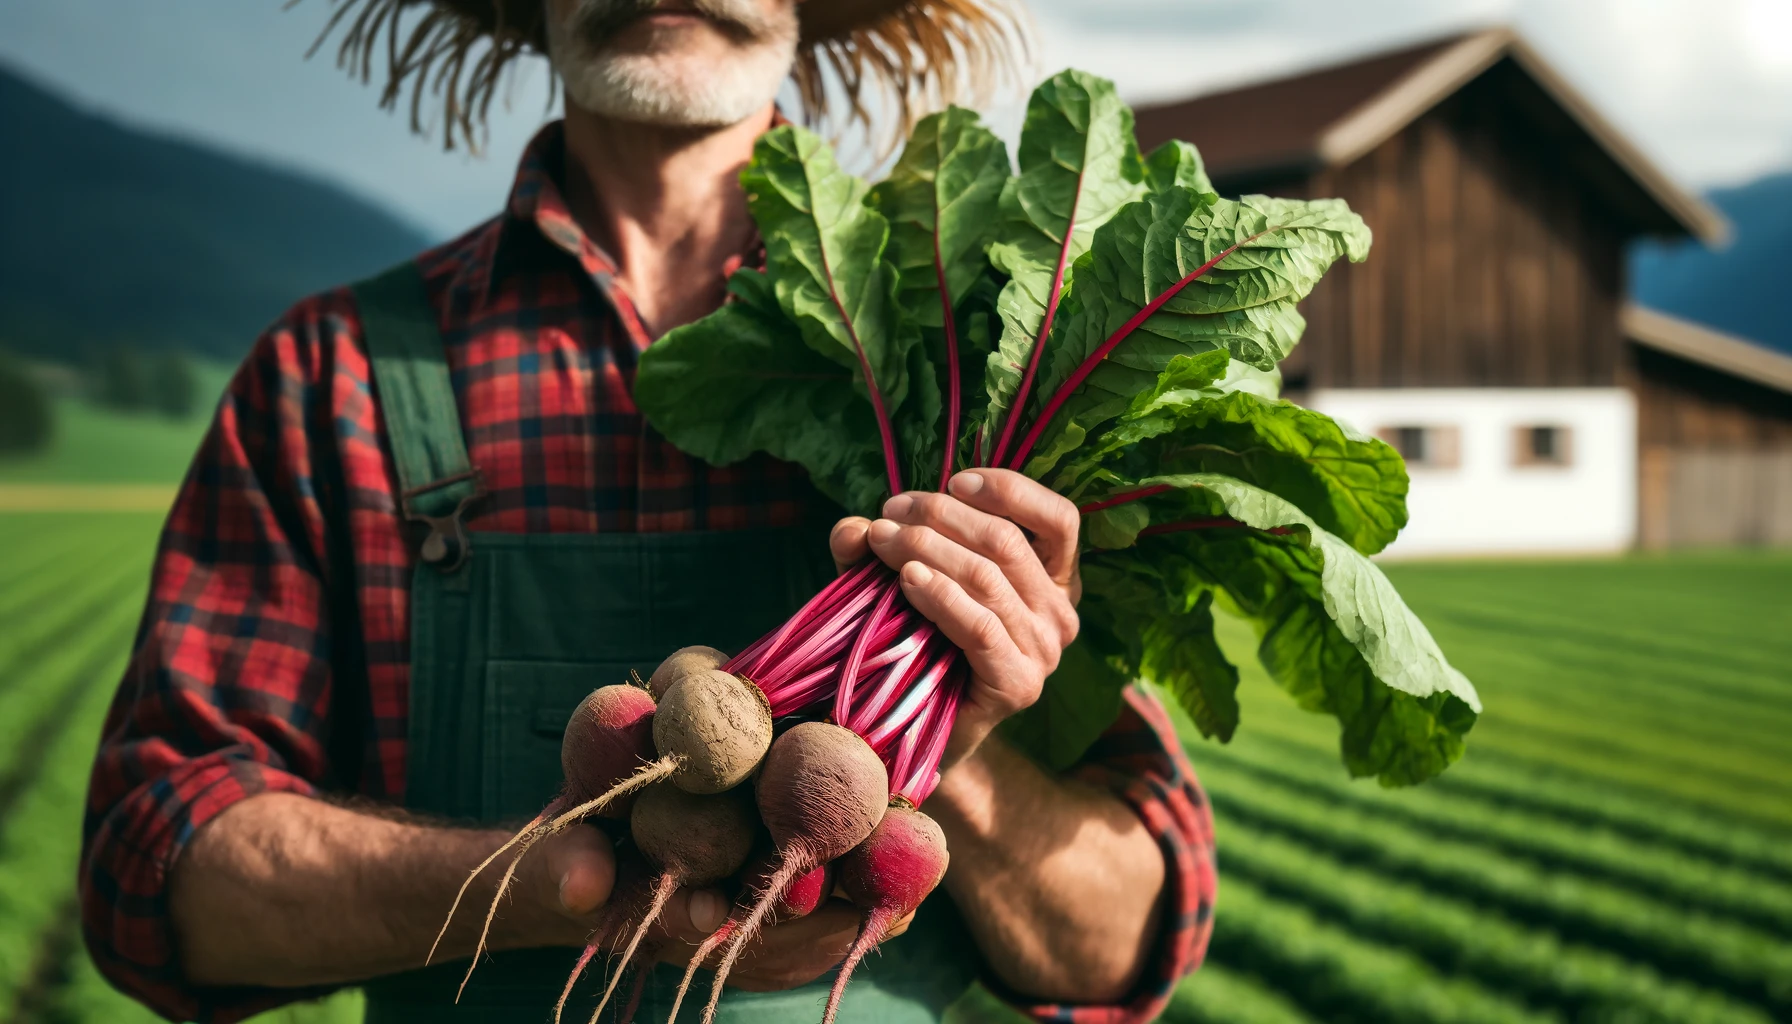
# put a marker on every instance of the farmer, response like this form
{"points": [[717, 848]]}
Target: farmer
{"points": [[428, 520]]}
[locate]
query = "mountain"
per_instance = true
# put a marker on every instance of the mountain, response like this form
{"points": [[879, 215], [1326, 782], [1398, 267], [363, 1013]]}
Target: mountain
{"points": [[1745, 289], [113, 235]]}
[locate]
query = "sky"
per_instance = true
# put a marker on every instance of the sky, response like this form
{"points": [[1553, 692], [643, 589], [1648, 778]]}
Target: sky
{"points": [[1703, 86]]}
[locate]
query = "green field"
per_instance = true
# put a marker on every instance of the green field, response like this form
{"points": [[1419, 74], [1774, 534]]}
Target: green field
{"points": [[1617, 846], [95, 445]]}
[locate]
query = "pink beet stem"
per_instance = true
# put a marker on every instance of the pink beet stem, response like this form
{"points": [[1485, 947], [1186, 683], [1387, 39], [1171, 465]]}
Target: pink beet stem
{"points": [[917, 698], [894, 686], [1045, 329], [1088, 365], [826, 599], [855, 657], [923, 774]]}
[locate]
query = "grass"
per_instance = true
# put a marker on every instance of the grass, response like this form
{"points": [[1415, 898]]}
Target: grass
{"points": [[1616, 845], [93, 445]]}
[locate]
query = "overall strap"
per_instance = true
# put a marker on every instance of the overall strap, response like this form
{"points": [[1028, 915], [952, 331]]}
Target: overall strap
{"points": [[436, 481]]}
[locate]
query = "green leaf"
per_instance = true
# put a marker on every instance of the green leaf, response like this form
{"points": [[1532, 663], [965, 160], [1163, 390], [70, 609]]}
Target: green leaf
{"points": [[824, 250], [1244, 305], [1334, 632], [1182, 656], [1176, 164], [1353, 486], [741, 380], [1078, 703], [1079, 165], [941, 199]]}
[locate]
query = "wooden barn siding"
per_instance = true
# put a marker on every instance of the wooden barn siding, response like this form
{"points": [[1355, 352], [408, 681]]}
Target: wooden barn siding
{"points": [[1492, 266], [1715, 456]]}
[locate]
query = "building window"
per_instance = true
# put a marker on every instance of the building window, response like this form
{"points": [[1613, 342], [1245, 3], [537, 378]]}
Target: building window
{"points": [[1542, 445], [1426, 447]]}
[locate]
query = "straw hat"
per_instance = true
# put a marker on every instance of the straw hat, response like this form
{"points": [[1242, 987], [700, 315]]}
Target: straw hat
{"points": [[920, 54]]}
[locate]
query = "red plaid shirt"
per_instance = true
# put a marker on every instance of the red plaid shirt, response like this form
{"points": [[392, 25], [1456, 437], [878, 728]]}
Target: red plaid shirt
{"points": [[289, 512]]}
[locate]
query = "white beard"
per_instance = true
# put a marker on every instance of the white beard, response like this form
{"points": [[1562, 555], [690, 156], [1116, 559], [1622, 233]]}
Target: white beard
{"points": [[663, 86]]}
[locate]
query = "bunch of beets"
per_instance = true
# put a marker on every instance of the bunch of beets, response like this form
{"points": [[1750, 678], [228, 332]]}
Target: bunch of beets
{"points": [[1126, 322]]}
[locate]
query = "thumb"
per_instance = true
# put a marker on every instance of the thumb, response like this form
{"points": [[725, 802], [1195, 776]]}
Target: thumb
{"points": [[582, 867], [849, 542]]}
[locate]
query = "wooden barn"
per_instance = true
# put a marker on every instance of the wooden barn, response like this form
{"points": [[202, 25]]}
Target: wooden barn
{"points": [[1489, 336]]}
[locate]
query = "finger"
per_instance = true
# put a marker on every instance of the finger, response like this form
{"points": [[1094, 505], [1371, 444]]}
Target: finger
{"points": [[692, 914], [1050, 516], [993, 537], [582, 866], [977, 577], [847, 542], [975, 629], [795, 953]]}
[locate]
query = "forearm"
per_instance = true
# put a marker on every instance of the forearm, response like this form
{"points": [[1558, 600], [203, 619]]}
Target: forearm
{"points": [[1060, 882], [287, 891]]}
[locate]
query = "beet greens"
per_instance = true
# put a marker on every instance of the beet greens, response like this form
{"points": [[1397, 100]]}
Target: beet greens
{"points": [[1127, 322]]}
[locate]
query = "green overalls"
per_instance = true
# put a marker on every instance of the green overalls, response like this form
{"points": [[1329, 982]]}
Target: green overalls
{"points": [[509, 632]]}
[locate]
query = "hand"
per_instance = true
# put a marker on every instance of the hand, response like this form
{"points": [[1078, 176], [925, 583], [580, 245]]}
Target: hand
{"points": [[994, 565], [791, 954], [575, 876]]}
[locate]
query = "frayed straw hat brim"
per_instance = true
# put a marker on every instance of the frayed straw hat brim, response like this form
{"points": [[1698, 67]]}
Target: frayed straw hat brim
{"points": [[918, 54]]}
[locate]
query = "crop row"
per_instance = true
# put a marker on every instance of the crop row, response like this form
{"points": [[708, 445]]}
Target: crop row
{"points": [[30, 703], [42, 834], [1664, 871], [28, 638], [1336, 975], [1461, 939], [1699, 947], [1219, 995], [34, 607], [1570, 798]]}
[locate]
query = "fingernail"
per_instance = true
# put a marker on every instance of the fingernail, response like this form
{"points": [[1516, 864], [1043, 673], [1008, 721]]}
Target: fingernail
{"points": [[883, 530], [706, 911], [916, 575], [898, 507], [965, 484]]}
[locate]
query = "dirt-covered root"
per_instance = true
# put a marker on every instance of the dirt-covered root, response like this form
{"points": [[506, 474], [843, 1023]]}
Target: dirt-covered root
{"points": [[681, 663], [718, 725]]}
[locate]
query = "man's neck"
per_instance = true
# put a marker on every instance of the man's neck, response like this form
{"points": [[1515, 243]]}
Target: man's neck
{"points": [[665, 203]]}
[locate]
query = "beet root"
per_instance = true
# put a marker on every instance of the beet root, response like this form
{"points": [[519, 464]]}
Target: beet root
{"points": [[799, 899], [681, 663], [695, 839], [822, 792], [887, 877], [717, 725], [606, 755]]}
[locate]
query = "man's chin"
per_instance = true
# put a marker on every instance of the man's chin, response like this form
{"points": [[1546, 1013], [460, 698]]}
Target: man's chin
{"points": [[683, 89]]}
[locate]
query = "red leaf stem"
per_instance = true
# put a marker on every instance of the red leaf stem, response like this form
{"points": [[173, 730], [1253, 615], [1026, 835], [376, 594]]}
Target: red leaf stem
{"points": [[891, 467], [1045, 329], [1088, 365], [1123, 497]]}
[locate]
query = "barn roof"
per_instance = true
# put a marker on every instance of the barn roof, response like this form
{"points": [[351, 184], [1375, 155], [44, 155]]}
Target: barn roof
{"points": [[1700, 344], [1335, 115]]}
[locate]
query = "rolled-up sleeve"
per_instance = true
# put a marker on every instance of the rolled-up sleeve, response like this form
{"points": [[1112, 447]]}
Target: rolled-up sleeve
{"points": [[229, 684], [1141, 761]]}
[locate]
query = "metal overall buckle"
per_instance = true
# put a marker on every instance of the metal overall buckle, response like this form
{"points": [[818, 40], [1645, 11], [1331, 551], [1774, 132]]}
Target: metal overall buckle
{"points": [[447, 545]]}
